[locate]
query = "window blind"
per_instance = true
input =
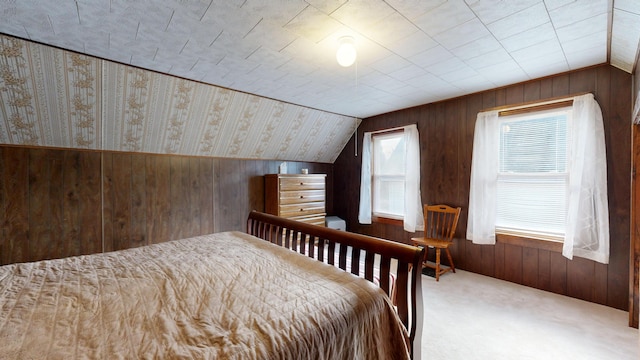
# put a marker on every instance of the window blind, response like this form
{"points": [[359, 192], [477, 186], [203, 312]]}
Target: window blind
{"points": [[533, 174]]}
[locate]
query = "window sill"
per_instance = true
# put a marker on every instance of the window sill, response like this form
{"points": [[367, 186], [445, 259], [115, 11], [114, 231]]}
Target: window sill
{"points": [[554, 246], [384, 220]]}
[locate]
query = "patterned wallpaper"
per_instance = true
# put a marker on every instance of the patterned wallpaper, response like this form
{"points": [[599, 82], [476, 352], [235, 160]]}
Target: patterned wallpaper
{"points": [[52, 97]]}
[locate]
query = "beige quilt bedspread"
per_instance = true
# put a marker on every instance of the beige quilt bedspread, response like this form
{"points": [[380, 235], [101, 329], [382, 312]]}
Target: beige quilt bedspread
{"points": [[221, 296]]}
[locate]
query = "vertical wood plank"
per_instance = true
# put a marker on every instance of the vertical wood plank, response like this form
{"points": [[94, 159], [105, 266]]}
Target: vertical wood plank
{"points": [[580, 278], [217, 216], [513, 263], [56, 194], [41, 204], [449, 193], [488, 260], [618, 140], [228, 194], [4, 241], [634, 258], [602, 95], [14, 205], [530, 262], [501, 97], [138, 201], [546, 88], [435, 149], [500, 261], [121, 190], [179, 198], [195, 192], [71, 243], [560, 85], [531, 91], [464, 141], [600, 284], [91, 203], [158, 172], [108, 199], [206, 196], [5, 249], [582, 81], [544, 270], [514, 94], [558, 273]]}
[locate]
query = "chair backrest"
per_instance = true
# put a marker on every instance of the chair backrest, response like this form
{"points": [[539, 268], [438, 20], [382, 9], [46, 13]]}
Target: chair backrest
{"points": [[440, 221]]}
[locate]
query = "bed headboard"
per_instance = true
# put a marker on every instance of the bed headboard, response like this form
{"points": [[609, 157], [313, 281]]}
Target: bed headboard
{"points": [[402, 261]]}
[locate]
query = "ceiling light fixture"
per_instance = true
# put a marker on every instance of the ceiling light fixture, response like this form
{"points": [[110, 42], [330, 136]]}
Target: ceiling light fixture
{"points": [[346, 54]]}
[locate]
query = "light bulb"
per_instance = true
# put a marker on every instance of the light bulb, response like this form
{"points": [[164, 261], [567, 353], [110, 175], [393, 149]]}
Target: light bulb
{"points": [[346, 54]]}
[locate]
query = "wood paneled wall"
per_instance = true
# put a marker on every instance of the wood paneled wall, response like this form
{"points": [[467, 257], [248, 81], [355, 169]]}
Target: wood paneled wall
{"points": [[446, 136], [634, 258], [634, 248], [56, 203], [46, 196]]}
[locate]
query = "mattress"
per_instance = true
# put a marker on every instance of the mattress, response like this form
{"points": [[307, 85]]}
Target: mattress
{"points": [[221, 296]]}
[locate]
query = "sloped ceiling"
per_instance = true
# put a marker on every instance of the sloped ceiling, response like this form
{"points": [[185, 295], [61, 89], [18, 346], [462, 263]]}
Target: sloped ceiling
{"points": [[57, 98], [410, 52]]}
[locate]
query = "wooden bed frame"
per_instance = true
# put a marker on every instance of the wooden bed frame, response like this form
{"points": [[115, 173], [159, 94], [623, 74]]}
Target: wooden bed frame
{"points": [[406, 287]]}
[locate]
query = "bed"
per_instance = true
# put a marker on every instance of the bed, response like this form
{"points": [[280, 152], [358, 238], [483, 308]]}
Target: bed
{"points": [[229, 295]]}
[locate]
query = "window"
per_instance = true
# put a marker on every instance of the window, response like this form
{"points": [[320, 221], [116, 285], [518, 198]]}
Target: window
{"points": [[542, 175], [390, 178], [388, 175], [533, 174]]}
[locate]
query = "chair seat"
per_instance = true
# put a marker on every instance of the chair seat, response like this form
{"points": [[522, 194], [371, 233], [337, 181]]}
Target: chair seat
{"points": [[436, 243]]}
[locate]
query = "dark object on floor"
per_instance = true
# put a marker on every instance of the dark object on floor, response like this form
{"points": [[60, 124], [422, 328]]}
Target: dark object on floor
{"points": [[429, 272]]}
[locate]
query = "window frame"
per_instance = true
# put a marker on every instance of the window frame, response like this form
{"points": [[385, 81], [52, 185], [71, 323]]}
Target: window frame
{"points": [[381, 217], [533, 238]]}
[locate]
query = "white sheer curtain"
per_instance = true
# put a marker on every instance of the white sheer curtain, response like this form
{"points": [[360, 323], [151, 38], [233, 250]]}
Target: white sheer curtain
{"points": [[413, 218], [587, 227], [587, 232], [481, 223], [364, 213], [636, 110]]}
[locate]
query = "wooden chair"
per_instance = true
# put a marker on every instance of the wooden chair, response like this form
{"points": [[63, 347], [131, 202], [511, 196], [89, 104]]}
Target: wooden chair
{"points": [[440, 222]]}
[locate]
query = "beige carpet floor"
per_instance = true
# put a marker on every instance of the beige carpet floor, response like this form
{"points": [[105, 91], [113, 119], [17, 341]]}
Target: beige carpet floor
{"points": [[471, 316]]}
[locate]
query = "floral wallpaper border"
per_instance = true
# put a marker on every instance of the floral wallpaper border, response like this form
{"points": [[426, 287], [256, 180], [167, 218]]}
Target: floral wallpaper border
{"points": [[53, 97]]}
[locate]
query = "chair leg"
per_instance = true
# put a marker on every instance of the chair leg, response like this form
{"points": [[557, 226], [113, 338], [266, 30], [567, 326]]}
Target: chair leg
{"points": [[426, 256], [453, 268], [437, 264]]}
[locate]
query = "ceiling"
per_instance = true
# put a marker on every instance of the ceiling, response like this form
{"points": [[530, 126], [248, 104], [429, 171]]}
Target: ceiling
{"points": [[410, 52]]}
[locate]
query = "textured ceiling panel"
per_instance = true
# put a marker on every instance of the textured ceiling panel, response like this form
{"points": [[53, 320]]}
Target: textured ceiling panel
{"points": [[52, 97], [410, 52], [625, 34]]}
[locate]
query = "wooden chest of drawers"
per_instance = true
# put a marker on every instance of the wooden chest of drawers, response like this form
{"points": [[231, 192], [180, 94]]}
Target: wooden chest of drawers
{"points": [[296, 196]]}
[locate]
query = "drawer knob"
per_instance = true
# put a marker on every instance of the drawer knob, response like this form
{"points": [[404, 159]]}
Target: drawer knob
{"points": [[301, 183], [301, 209], [301, 196]]}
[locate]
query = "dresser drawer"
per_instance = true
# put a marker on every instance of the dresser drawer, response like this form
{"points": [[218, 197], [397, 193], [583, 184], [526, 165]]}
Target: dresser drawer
{"points": [[313, 220], [301, 196], [300, 183], [304, 209]]}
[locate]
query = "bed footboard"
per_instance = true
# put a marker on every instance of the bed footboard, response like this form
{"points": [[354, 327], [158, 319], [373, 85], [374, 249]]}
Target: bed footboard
{"points": [[359, 254]]}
